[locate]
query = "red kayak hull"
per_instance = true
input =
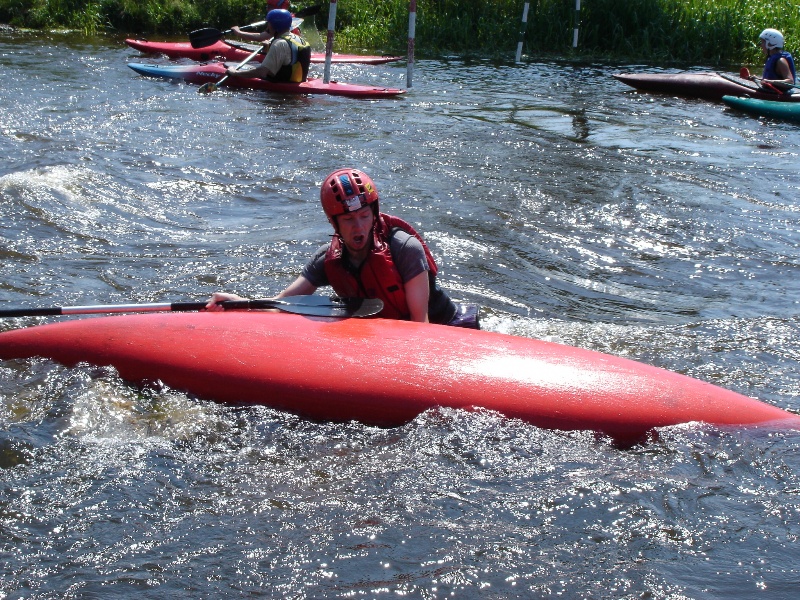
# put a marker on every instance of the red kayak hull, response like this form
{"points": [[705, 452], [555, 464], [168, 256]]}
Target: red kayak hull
{"points": [[385, 373], [710, 85], [213, 72], [224, 51]]}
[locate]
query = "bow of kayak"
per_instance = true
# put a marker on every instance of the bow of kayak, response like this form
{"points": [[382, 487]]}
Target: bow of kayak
{"points": [[213, 72], [222, 50], [385, 373]]}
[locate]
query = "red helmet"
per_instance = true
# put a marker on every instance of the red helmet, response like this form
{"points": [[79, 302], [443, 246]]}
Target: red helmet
{"points": [[347, 190]]}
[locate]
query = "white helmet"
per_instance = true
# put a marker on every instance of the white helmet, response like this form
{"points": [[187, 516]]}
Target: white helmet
{"points": [[772, 37]]}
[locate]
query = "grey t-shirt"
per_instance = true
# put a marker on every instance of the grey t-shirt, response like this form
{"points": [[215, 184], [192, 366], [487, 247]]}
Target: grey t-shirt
{"points": [[408, 256]]}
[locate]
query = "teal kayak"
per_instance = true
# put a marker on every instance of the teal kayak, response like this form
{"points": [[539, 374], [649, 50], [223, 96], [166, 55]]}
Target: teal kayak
{"points": [[789, 111]]}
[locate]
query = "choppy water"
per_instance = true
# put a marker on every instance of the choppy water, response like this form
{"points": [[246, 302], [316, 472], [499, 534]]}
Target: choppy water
{"points": [[570, 207]]}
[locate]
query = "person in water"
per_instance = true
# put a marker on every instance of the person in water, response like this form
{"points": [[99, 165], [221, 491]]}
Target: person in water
{"points": [[373, 255], [779, 68], [288, 57]]}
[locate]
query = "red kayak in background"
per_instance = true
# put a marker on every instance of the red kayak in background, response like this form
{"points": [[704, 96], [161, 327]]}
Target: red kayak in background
{"points": [[222, 50], [385, 372], [707, 85]]}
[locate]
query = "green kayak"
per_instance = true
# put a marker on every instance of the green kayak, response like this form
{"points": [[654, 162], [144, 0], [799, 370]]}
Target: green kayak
{"points": [[787, 110]]}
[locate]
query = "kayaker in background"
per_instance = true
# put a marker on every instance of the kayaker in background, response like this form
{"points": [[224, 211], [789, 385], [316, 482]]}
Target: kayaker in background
{"points": [[779, 68], [277, 4], [288, 57], [263, 36], [373, 255]]}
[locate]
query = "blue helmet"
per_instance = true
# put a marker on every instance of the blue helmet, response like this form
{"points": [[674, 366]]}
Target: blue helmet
{"points": [[280, 19]]}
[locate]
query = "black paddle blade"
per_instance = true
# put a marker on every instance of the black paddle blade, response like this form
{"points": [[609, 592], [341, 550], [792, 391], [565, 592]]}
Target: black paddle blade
{"points": [[363, 307], [200, 38], [334, 310]]}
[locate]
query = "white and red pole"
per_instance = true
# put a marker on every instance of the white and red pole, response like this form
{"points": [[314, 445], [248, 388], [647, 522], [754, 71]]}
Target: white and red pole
{"points": [[412, 31], [326, 78]]}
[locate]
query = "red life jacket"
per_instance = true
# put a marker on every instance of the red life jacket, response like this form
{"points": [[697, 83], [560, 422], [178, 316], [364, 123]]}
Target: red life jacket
{"points": [[378, 276]]}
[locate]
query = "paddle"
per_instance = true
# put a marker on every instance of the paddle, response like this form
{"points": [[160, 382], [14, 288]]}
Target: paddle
{"points": [[317, 306], [213, 86], [201, 38], [744, 73], [751, 85]]}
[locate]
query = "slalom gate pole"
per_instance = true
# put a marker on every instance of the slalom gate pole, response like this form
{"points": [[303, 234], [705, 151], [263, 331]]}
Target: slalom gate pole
{"points": [[326, 77]]}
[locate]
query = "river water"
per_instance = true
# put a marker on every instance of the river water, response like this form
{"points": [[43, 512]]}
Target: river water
{"points": [[570, 207]]}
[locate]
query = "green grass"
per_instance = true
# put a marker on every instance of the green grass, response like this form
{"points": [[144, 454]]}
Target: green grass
{"points": [[719, 32]]}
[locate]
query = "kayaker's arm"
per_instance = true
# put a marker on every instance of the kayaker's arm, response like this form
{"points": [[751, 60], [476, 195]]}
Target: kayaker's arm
{"points": [[218, 297], [261, 36], [417, 294], [782, 85], [786, 81], [299, 287]]}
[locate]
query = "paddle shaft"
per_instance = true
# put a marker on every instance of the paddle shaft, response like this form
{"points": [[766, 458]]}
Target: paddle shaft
{"points": [[312, 305], [744, 73], [127, 308], [201, 38], [257, 25], [212, 86]]}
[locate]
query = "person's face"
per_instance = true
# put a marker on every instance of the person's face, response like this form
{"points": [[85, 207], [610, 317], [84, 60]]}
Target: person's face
{"points": [[764, 46], [355, 229]]}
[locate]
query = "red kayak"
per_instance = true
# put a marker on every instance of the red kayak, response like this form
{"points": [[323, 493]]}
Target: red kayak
{"points": [[385, 372], [213, 72], [711, 85], [234, 52]]}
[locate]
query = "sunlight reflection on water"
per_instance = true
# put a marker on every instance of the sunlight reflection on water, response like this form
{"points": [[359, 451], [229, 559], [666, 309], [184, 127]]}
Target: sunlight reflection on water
{"points": [[570, 207]]}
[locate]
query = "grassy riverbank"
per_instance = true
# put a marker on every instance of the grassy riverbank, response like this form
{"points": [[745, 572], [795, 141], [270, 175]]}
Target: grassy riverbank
{"points": [[668, 31]]}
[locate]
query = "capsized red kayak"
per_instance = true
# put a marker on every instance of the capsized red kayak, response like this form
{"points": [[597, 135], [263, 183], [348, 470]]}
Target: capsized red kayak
{"points": [[235, 52], [385, 372], [708, 85], [216, 71]]}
